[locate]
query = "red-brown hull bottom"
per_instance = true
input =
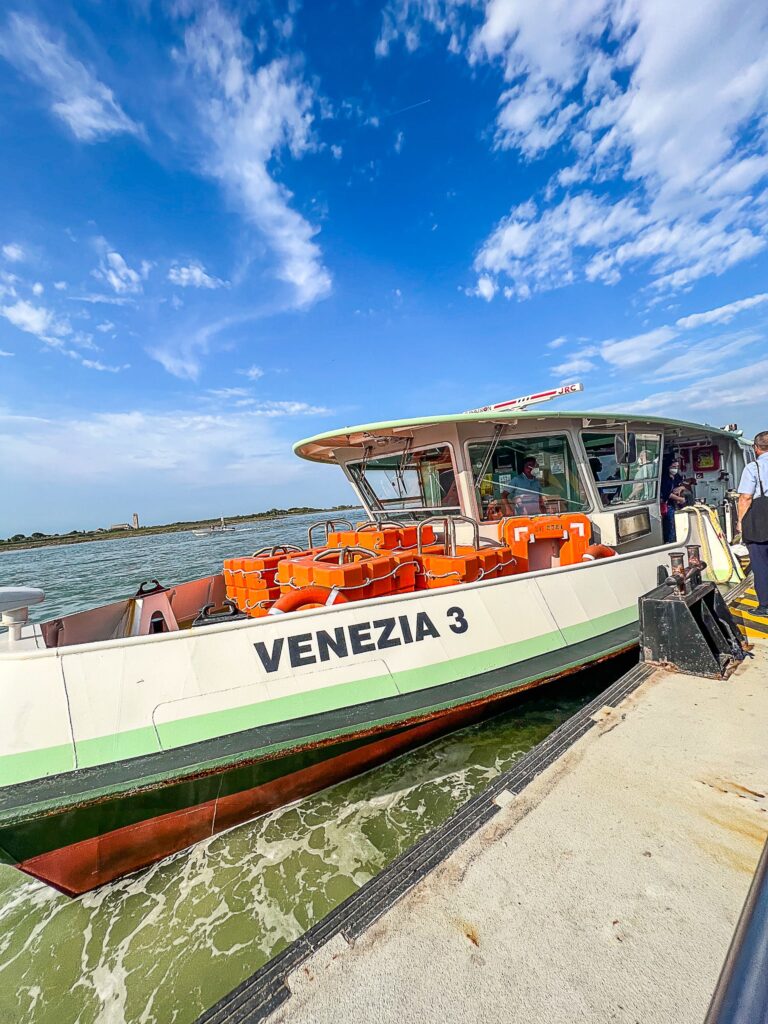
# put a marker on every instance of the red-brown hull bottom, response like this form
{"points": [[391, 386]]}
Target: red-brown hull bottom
{"points": [[83, 866]]}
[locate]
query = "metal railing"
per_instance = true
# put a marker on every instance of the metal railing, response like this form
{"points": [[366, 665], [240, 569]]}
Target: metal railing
{"points": [[741, 995]]}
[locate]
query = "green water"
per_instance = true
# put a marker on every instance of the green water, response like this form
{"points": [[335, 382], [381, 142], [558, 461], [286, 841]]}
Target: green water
{"points": [[164, 944]]}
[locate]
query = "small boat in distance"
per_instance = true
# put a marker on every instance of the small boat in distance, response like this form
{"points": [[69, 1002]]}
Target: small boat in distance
{"points": [[221, 528]]}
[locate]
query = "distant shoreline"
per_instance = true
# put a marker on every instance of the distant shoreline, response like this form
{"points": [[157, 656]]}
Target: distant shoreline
{"points": [[57, 540]]}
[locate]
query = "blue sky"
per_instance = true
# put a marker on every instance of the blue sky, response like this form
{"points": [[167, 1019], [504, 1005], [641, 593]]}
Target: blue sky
{"points": [[226, 226]]}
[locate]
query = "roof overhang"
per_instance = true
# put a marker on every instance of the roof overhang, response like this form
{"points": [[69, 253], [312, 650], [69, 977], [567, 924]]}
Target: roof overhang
{"points": [[321, 447]]}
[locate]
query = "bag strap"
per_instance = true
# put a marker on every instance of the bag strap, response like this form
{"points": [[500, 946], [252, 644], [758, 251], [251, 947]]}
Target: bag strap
{"points": [[759, 478]]}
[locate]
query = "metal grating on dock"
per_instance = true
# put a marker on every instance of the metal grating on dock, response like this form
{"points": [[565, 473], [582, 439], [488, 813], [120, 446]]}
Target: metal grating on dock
{"points": [[262, 993]]}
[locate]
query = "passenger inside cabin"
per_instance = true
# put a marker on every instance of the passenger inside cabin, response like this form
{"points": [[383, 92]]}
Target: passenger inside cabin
{"points": [[643, 489], [671, 497], [525, 489]]}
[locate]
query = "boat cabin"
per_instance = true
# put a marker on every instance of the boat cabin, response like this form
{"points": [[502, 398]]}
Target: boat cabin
{"points": [[494, 465], [509, 490]]}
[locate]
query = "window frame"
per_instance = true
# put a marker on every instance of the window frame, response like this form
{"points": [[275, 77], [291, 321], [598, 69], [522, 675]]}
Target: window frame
{"points": [[607, 484], [575, 451], [367, 494]]}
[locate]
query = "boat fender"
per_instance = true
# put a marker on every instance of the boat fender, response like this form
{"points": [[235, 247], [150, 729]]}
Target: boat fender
{"points": [[595, 551], [316, 597]]}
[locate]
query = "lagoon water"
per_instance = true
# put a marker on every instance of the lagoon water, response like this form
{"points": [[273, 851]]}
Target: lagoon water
{"points": [[164, 944]]}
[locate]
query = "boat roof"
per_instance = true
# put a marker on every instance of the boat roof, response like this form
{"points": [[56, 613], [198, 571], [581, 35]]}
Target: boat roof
{"points": [[320, 447]]}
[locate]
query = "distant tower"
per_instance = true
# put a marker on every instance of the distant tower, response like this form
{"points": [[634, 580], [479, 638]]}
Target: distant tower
{"points": [[135, 520]]}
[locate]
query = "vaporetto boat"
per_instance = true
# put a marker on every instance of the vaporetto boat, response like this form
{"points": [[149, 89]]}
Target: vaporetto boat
{"points": [[503, 548]]}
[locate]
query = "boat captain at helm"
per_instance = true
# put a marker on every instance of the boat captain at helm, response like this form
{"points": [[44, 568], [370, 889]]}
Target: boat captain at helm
{"points": [[521, 495], [525, 489]]}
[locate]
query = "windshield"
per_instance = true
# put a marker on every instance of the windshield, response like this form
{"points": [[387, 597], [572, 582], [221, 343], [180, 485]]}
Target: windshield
{"points": [[412, 481], [526, 476]]}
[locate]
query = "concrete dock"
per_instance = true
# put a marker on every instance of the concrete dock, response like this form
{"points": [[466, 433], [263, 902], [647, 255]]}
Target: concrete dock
{"points": [[608, 889]]}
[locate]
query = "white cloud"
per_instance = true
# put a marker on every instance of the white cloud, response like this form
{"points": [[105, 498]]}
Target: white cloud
{"points": [[87, 106], [180, 353], [115, 272], [37, 320], [193, 276], [662, 104], [631, 352], [668, 353], [229, 392], [4, 353], [407, 19], [52, 329], [95, 364], [337, 152], [272, 409], [249, 117], [486, 288], [722, 314], [715, 396], [537, 250], [105, 327], [71, 466], [693, 360], [37, 288], [13, 252], [96, 298], [60, 286], [252, 373], [557, 342], [399, 142], [573, 367]]}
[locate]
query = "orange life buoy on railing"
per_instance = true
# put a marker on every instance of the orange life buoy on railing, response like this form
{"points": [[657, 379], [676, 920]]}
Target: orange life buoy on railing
{"points": [[595, 551], [307, 597]]}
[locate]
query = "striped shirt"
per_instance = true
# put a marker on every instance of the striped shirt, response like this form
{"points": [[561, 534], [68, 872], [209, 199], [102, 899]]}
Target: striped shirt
{"points": [[748, 483]]}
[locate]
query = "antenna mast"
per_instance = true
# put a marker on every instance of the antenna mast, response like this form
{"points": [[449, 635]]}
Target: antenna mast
{"points": [[526, 400]]}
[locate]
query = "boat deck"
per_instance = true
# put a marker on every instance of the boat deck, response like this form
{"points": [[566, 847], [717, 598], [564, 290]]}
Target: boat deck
{"points": [[606, 888]]}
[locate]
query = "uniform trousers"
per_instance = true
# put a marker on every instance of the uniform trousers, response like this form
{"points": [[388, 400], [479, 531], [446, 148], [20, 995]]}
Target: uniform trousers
{"points": [[758, 556]]}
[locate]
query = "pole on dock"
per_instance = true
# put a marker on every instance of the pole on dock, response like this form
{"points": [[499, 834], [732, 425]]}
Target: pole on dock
{"points": [[741, 995]]}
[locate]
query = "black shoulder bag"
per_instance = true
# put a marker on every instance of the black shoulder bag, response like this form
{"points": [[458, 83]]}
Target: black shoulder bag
{"points": [[754, 526]]}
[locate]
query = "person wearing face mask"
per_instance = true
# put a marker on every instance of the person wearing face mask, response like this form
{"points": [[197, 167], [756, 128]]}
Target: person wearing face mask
{"points": [[525, 489], [671, 498]]}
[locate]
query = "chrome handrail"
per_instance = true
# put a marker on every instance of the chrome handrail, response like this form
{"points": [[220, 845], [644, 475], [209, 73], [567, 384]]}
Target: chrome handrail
{"points": [[330, 525]]}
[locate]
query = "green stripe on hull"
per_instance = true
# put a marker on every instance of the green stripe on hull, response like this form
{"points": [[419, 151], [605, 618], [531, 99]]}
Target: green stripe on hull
{"points": [[16, 768], [43, 815]]}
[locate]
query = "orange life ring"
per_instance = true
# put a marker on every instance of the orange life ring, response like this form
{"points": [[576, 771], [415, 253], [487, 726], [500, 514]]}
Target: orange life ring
{"points": [[595, 551], [307, 597]]}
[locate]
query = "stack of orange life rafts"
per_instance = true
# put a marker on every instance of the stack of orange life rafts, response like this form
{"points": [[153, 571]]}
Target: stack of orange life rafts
{"points": [[377, 559]]}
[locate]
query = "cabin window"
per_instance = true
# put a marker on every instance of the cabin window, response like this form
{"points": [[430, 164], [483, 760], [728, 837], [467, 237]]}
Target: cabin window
{"points": [[526, 476], [628, 482], [420, 480]]}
